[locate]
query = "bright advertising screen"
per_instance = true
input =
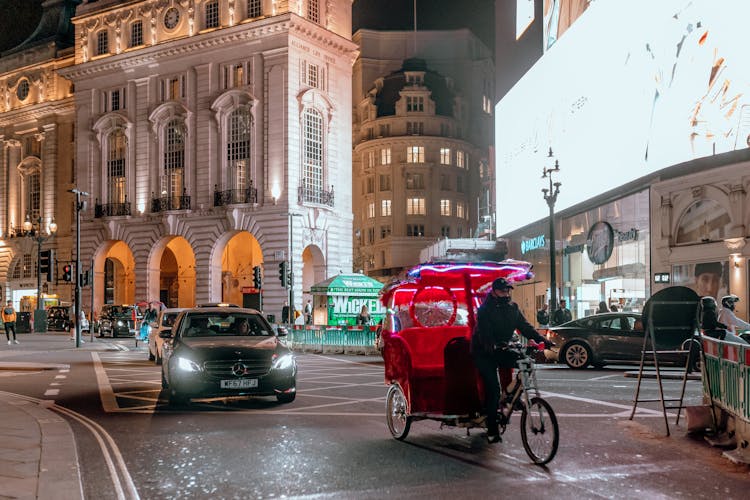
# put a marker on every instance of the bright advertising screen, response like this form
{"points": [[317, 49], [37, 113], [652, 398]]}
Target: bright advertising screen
{"points": [[632, 87]]}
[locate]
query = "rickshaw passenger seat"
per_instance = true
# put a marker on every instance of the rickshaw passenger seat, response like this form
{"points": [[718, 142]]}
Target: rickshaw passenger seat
{"points": [[427, 345], [461, 379]]}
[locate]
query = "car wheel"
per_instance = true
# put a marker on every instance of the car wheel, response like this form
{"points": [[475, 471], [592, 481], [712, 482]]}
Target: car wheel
{"points": [[577, 355], [286, 397]]}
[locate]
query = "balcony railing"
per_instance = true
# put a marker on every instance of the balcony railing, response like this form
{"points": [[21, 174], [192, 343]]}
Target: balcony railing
{"points": [[232, 196], [164, 203], [315, 195], [111, 209]]}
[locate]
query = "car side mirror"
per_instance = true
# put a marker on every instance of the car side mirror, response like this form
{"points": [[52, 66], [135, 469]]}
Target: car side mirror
{"points": [[165, 334], [281, 331]]}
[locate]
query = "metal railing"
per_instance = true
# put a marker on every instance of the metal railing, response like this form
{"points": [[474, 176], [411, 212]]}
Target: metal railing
{"points": [[333, 339], [232, 196], [164, 203], [315, 195], [111, 209]]}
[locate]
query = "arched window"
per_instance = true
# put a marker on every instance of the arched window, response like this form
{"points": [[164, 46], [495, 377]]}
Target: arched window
{"points": [[116, 188], [173, 176], [312, 155], [238, 151], [33, 194], [703, 221]]}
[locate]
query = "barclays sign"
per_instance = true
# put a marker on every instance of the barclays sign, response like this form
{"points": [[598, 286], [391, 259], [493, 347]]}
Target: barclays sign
{"points": [[533, 244]]}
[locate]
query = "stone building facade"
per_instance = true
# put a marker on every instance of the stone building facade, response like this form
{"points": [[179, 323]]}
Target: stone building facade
{"points": [[212, 136]]}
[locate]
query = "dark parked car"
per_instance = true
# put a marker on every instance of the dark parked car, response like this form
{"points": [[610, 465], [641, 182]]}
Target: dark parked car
{"points": [[608, 338], [118, 320], [59, 318], [226, 351]]}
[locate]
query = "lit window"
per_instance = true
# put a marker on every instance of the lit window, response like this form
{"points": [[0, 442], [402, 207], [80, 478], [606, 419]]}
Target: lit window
{"points": [[445, 156], [371, 159], [460, 159], [415, 154], [460, 210], [371, 210], [385, 208], [385, 156], [415, 206], [445, 208]]}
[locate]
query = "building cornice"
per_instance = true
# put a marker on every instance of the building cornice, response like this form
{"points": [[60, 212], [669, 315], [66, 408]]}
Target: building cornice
{"points": [[42, 112]]}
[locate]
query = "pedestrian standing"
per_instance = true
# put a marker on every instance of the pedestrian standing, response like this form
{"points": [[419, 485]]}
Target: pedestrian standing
{"points": [[363, 318], [308, 312], [285, 313], [9, 320], [562, 314], [602, 308], [542, 317]]}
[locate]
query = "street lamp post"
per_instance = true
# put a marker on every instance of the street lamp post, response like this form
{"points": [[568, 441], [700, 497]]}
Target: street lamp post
{"points": [[550, 196], [36, 233]]}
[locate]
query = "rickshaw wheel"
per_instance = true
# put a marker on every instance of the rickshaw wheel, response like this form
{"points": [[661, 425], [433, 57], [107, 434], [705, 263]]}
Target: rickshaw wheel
{"points": [[395, 413]]}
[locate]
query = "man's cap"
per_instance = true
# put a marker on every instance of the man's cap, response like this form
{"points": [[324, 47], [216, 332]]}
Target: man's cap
{"points": [[501, 284], [708, 267]]}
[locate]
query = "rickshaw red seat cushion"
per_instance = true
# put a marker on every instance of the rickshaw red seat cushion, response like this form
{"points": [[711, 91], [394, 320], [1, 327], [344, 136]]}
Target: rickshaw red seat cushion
{"points": [[427, 348]]}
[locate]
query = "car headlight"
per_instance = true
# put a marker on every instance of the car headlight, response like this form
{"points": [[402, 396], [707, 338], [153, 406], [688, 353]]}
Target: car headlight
{"points": [[187, 365], [119, 323], [284, 362]]}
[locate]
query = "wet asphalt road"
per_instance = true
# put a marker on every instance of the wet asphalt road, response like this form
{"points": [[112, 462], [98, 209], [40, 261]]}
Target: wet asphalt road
{"points": [[333, 442]]}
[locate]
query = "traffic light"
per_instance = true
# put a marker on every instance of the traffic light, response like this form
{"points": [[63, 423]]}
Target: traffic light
{"points": [[67, 272], [47, 263], [283, 274], [257, 278]]}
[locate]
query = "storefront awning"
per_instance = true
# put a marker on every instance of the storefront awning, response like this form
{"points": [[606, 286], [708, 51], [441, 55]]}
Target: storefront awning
{"points": [[353, 285]]}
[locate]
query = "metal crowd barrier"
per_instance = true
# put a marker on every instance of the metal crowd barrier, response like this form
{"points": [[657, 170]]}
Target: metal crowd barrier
{"points": [[333, 339], [726, 382]]}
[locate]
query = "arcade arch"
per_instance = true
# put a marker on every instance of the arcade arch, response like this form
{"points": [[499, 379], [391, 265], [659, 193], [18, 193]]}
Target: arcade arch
{"points": [[114, 274], [172, 273]]}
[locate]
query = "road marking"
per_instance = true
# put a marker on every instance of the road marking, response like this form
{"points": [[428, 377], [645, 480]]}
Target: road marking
{"points": [[106, 394], [52, 392], [61, 376], [603, 377]]}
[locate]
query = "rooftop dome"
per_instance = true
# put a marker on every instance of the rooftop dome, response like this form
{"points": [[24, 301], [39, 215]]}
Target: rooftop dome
{"points": [[440, 92]]}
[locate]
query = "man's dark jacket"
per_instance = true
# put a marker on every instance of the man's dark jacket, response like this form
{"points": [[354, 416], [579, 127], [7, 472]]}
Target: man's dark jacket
{"points": [[497, 319]]}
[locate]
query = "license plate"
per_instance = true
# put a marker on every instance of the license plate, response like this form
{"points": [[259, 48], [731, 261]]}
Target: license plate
{"points": [[242, 383]]}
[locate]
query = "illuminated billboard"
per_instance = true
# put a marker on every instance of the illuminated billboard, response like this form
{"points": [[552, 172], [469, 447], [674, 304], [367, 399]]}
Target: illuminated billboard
{"points": [[632, 88]]}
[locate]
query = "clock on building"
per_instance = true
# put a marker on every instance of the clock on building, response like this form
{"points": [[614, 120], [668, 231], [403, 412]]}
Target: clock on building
{"points": [[171, 18]]}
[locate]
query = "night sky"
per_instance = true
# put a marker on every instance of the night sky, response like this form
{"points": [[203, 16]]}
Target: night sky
{"points": [[20, 17]]}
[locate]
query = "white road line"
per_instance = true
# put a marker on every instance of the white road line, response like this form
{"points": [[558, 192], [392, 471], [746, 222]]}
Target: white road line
{"points": [[61, 376], [52, 392], [602, 377], [106, 394]]}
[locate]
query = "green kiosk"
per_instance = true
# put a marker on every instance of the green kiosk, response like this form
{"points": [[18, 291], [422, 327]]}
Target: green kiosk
{"points": [[338, 300]]}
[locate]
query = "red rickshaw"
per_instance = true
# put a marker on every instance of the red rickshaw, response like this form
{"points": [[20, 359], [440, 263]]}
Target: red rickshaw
{"points": [[425, 343]]}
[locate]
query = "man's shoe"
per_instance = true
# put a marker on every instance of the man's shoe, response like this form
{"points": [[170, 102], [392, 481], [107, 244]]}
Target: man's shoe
{"points": [[15, 341], [494, 438], [10, 342]]}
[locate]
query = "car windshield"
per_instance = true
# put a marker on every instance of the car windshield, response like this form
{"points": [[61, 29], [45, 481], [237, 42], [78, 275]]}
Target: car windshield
{"points": [[225, 324]]}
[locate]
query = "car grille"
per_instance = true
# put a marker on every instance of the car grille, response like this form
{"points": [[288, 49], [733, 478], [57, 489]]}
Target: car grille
{"points": [[223, 368]]}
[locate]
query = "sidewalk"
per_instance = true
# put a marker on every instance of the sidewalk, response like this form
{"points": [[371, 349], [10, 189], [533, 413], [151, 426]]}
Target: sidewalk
{"points": [[38, 457]]}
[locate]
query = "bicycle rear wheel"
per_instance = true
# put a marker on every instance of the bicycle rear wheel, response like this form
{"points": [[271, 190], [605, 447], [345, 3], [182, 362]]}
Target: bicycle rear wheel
{"points": [[539, 431], [398, 421]]}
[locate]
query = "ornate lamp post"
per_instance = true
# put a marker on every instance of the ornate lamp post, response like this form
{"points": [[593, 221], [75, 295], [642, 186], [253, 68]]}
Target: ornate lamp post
{"points": [[37, 234], [550, 196]]}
